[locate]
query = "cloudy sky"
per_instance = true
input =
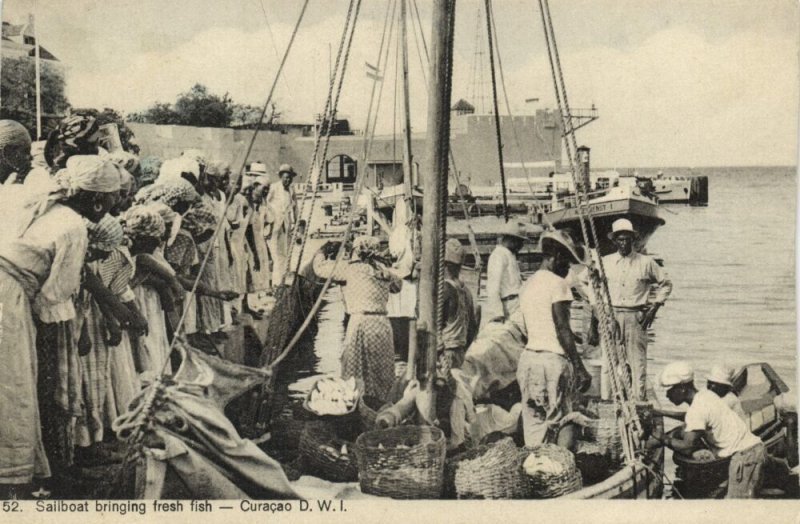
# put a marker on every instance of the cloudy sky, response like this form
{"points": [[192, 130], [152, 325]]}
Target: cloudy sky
{"points": [[678, 83]]}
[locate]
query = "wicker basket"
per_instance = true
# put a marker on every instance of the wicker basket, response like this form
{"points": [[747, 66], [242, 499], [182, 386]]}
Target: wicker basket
{"points": [[549, 485], [495, 473], [604, 429], [404, 462], [322, 454]]}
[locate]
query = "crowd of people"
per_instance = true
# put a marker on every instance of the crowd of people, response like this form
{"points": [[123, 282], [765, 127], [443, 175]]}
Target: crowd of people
{"points": [[97, 257]]}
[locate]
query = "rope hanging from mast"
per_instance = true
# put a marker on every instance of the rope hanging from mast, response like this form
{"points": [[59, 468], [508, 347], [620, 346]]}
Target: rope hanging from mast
{"points": [[610, 337], [489, 24]]}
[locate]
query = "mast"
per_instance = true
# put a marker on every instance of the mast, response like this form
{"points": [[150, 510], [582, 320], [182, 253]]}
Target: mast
{"points": [[407, 156], [435, 184]]}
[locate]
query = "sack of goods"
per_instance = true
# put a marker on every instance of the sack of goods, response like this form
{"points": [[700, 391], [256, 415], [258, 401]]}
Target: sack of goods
{"points": [[551, 471], [332, 396]]}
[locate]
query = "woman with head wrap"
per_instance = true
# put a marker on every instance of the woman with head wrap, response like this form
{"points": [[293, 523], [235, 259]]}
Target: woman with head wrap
{"points": [[42, 249], [215, 314], [99, 332], [258, 259], [128, 164], [15, 151], [238, 216], [197, 226], [368, 345], [78, 134], [145, 230], [149, 168], [181, 168], [176, 193]]}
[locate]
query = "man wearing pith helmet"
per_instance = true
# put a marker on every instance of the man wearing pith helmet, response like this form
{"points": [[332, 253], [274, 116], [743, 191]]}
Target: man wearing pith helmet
{"points": [[709, 419], [631, 278]]}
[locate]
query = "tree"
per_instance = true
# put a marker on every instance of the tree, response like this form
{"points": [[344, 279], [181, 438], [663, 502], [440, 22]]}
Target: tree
{"points": [[158, 113], [18, 94], [200, 108]]}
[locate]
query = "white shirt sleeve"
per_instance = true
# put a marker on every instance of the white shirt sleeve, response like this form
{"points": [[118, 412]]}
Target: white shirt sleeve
{"points": [[697, 416], [561, 292], [53, 303], [494, 274]]}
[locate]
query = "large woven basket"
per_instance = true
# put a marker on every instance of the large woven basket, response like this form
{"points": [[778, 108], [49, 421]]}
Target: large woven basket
{"points": [[404, 462], [545, 485], [327, 456], [604, 428], [495, 473]]}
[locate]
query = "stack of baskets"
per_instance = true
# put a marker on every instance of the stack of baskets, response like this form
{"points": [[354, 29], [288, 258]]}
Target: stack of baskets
{"points": [[548, 483], [327, 455], [404, 462], [492, 471], [604, 429]]}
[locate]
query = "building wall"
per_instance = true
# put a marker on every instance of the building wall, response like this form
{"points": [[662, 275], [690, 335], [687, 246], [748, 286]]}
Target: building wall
{"points": [[472, 139]]}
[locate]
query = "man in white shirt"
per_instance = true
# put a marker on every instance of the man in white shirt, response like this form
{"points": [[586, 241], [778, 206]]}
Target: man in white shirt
{"points": [[549, 369], [280, 218], [631, 277], [719, 380], [710, 419], [503, 279]]}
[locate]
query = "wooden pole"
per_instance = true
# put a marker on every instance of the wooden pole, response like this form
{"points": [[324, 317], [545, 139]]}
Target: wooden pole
{"points": [[37, 66], [408, 159], [434, 181]]}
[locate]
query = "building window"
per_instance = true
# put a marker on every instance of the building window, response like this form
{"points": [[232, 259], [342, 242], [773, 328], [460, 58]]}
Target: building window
{"points": [[341, 168], [29, 40]]}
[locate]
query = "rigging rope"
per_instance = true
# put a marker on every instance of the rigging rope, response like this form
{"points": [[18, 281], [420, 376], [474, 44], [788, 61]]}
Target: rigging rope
{"points": [[488, 6], [630, 425], [329, 116]]}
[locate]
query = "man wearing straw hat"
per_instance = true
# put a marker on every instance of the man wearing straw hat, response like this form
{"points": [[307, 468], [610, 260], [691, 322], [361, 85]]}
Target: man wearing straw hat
{"points": [[550, 369], [631, 278], [280, 217], [503, 278]]}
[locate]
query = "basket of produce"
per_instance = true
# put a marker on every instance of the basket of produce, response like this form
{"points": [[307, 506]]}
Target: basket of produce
{"points": [[604, 428], [404, 462], [326, 455], [551, 471], [492, 471], [332, 396]]}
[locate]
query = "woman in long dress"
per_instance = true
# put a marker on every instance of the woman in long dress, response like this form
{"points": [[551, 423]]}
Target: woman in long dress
{"points": [[258, 259], [368, 345], [145, 228], [42, 249], [213, 313]]}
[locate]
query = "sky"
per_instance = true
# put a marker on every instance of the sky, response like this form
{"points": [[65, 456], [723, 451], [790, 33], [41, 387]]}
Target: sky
{"points": [[678, 83]]}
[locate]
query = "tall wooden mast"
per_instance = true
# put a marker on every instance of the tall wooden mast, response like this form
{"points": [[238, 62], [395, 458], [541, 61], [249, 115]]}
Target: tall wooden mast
{"points": [[434, 184]]}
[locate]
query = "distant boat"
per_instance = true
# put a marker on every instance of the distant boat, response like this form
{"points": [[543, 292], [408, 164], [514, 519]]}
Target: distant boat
{"points": [[621, 201]]}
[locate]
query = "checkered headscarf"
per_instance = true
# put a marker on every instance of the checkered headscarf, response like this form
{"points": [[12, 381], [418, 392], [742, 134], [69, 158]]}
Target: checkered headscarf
{"points": [[143, 221], [199, 219], [105, 235]]}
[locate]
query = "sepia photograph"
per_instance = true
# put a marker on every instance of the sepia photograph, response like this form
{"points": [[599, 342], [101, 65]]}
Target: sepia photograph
{"points": [[298, 255]]}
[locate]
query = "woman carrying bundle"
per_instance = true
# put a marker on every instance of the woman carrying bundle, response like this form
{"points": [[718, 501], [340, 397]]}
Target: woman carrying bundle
{"points": [[368, 346]]}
